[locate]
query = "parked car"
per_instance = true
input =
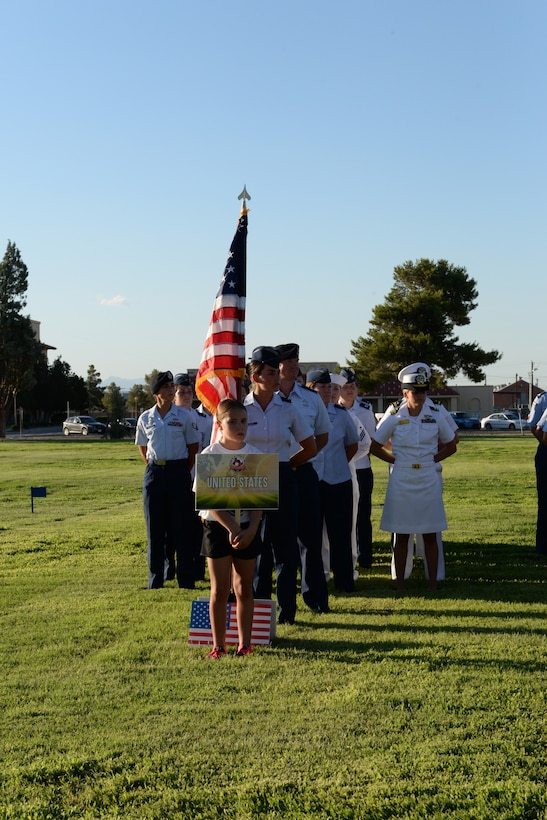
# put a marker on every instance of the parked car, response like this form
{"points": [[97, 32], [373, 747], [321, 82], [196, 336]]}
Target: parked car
{"points": [[83, 425], [503, 421], [130, 426], [465, 421]]}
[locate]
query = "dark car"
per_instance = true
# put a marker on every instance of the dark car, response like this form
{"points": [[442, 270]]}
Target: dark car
{"points": [[130, 426], [83, 425], [465, 421]]}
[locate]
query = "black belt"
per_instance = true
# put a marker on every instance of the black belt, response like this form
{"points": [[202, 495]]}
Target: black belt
{"points": [[161, 462]]}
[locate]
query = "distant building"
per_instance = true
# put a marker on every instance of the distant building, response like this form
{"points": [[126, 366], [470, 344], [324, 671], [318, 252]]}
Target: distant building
{"points": [[36, 330]]}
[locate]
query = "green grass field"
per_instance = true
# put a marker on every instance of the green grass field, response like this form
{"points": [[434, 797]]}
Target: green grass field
{"points": [[424, 706]]}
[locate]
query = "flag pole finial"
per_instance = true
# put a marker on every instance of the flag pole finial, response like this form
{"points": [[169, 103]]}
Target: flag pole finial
{"points": [[244, 195]]}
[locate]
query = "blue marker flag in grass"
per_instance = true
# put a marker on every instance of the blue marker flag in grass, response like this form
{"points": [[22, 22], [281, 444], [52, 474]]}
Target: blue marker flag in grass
{"points": [[36, 492]]}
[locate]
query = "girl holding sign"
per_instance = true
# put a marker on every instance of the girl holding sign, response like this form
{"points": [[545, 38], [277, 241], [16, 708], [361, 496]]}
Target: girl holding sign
{"points": [[231, 544]]}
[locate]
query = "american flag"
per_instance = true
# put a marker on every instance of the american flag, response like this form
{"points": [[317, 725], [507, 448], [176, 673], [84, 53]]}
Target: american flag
{"points": [[263, 631], [223, 358]]}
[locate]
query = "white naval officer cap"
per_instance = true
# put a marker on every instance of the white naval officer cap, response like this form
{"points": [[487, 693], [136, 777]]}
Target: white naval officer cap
{"points": [[337, 378], [416, 374], [415, 367]]}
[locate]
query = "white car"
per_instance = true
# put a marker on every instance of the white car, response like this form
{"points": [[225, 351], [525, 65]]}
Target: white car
{"points": [[503, 421]]}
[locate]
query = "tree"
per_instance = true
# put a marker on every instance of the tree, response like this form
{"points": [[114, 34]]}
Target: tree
{"points": [[416, 323], [94, 391], [66, 388], [114, 401], [18, 346], [139, 398]]}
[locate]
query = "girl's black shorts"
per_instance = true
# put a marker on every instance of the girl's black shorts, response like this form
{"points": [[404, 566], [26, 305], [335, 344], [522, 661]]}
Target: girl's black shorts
{"points": [[215, 542]]}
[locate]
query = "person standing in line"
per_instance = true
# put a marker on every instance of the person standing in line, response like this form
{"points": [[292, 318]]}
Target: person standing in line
{"points": [[231, 546], [273, 424], [184, 396], [416, 540], [336, 382], [413, 502], [335, 483], [365, 422], [537, 419], [168, 442], [314, 585]]}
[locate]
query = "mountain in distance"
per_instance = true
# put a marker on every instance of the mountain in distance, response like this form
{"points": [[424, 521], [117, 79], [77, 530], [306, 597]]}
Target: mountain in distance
{"points": [[125, 384]]}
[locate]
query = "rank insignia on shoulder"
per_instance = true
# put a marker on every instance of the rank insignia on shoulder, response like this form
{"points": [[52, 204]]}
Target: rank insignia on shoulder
{"points": [[395, 407], [365, 404]]}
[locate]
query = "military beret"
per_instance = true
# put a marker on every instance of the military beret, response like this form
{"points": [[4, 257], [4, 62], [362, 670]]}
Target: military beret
{"points": [[349, 375], [161, 378]]}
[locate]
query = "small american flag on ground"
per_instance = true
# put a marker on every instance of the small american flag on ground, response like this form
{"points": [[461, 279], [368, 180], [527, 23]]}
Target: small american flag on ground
{"points": [[262, 632], [222, 363]]}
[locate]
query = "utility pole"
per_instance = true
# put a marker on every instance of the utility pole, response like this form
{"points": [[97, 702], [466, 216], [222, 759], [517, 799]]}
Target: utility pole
{"points": [[531, 385]]}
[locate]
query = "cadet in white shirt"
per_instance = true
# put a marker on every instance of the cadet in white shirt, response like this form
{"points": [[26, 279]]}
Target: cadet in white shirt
{"points": [[413, 501], [538, 425], [168, 442], [203, 422], [314, 585], [335, 484], [416, 540], [363, 482], [274, 424]]}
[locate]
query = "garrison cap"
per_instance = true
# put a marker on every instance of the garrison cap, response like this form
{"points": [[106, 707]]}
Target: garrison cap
{"points": [[320, 375], [161, 378], [349, 375], [338, 378], [266, 355], [182, 378], [288, 351]]}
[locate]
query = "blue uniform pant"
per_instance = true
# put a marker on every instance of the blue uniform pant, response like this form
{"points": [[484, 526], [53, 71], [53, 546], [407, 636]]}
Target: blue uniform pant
{"points": [[310, 537], [167, 499], [280, 537], [541, 483], [337, 513], [365, 480]]}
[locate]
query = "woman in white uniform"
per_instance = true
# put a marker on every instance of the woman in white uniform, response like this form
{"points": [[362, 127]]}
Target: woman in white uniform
{"points": [[420, 438]]}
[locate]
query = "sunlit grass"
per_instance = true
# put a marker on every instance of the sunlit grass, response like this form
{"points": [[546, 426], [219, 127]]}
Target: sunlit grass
{"points": [[413, 707]]}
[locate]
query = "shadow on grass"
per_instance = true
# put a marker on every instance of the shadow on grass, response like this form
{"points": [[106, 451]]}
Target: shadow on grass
{"points": [[477, 571]]}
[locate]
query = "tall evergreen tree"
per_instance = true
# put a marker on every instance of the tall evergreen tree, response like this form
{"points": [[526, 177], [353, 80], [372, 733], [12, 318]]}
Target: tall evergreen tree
{"points": [[114, 401], [416, 323], [94, 391], [18, 346]]}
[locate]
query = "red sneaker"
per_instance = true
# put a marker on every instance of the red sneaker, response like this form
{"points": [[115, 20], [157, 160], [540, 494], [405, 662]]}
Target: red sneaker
{"points": [[244, 649], [217, 652]]}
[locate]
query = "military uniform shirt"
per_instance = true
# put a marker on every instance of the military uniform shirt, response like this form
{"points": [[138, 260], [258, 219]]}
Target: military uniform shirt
{"points": [[166, 439], [273, 430]]}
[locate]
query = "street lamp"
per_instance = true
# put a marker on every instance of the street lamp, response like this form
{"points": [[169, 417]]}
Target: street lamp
{"points": [[531, 385]]}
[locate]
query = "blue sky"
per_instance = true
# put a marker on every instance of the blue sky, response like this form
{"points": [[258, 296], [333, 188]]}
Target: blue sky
{"points": [[367, 134]]}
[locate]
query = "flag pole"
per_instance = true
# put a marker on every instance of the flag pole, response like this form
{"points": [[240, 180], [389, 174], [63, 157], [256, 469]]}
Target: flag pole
{"points": [[222, 367]]}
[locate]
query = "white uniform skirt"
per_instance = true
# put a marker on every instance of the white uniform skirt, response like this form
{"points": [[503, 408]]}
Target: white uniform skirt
{"points": [[414, 500]]}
